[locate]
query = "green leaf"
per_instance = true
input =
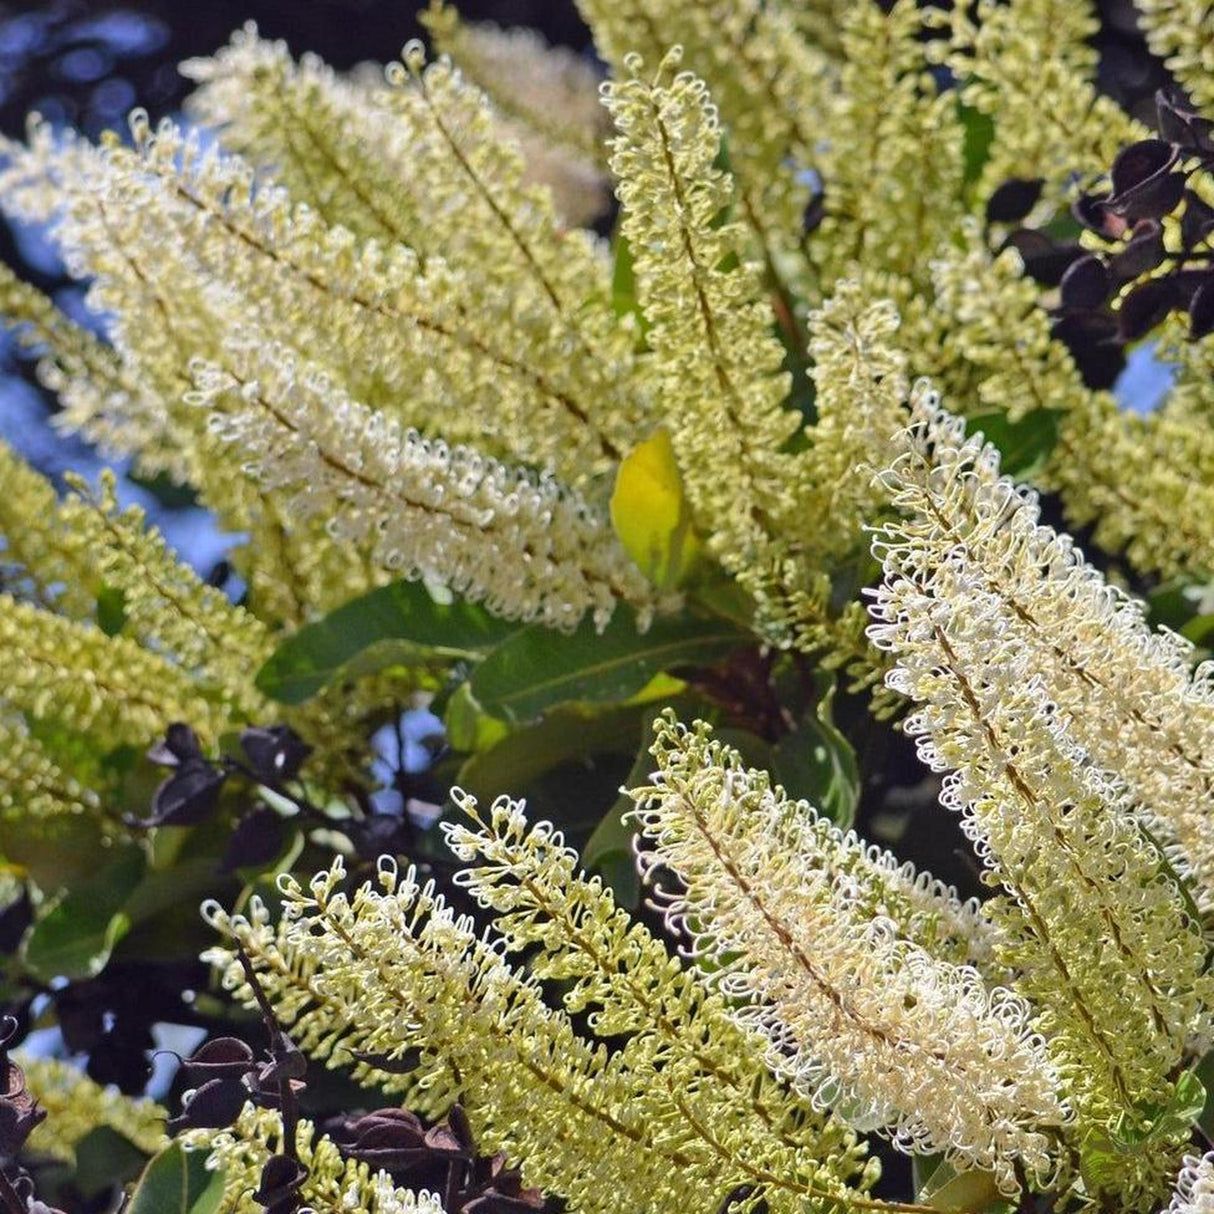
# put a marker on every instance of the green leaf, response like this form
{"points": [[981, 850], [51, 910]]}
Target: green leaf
{"points": [[187, 880], [177, 1182], [817, 763], [923, 1168], [1204, 1071], [55, 851], [1173, 604], [979, 132], [468, 726], [111, 610], [105, 1158], [624, 283], [651, 514], [1101, 1161], [535, 669], [169, 493], [1200, 630], [75, 937], [400, 624], [608, 851], [568, 734], [1026, 444], [947, 1189], [1189, 1099]]}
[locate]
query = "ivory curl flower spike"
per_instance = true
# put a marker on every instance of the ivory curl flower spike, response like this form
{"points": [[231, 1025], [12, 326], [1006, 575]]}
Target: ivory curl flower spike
{"points": [[1094, 921], [787, 917]]}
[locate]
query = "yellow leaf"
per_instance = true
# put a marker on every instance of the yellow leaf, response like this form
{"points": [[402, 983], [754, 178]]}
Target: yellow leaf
{"points": [[650, 513]]}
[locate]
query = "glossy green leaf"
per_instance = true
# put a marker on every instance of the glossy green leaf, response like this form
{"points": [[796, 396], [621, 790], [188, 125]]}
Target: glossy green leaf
{"points": [[566, 735], [105, 1158], [537, 669], [55, 851], [1189, 1100], [401, 624], [1174, 604], [74, 938], [956, 1192], [469, 727], [923, 1168], [1026, 444], [608, 851], [624, 283], [177, 1182], [817, 763], [111, 610], [978, 133], [1204, 1071], [1102, 1161]]}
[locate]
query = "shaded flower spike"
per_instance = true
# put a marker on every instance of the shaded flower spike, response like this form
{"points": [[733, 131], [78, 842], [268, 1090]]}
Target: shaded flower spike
{"points": [[395, 966], [780, 906], [1038, 686]]}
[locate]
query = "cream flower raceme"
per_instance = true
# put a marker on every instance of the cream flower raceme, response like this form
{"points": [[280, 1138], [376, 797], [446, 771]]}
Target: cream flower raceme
{"points": [[786, 915]]}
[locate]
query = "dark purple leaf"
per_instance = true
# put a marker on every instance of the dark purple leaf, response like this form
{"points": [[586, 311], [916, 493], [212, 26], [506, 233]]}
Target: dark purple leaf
{"points": [[281, 1180], [399, 1120], [441, 1141], [275, 753], [219, 1058], [1044, 261], [286, 1060], [1094, 213], [1153, 199], [1085, 285], [15, 920], [815, 212], [1188, 282], [1201, 310], [1143, 252], [1179, 123], [187, 797], [213, 1106], [1139, 163], [257, 839], [1171, 118], [508, 1182], [493, 1202], [19, 1111], [121, 1057], [379, 835], [392, 1139], [1145, 306], [1013, 200], [179, 744], [1197, 222], [1093, 340], [457, 1119]]}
